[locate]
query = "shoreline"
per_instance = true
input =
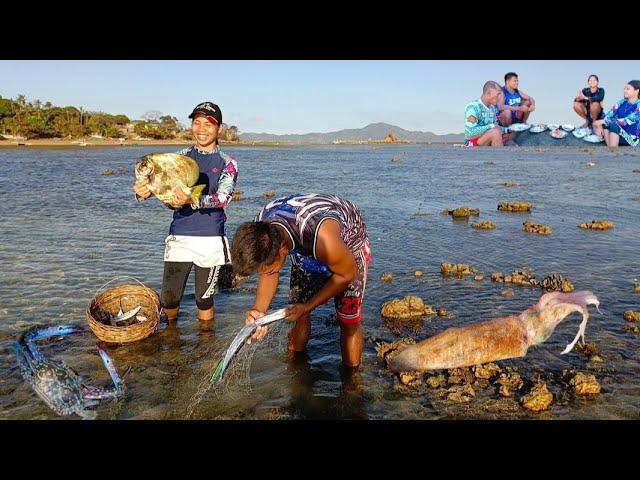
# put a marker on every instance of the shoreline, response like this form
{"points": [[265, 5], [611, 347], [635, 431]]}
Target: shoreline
{"points": [[49, 143]]}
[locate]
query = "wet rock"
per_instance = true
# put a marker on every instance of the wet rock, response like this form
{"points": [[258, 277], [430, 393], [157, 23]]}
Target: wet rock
{"points": [[636, 170], [524, 276], [631, 316], [441, 312], [269, 194], [479, 278], [533, 227], [458, 376], [481, 383], [386, 277], [436, 381], [509, 184], [505, 391], [581, 383], [510, 382], [630, 327], [410, 379], [457, 269], [636, 287], [587, 349], [556, 283], [397, 160], [386, 351], [597, 225], [507, 292], [417, 274], [538, 399], [461, 393], [497, 277], [409, 306], [237, 195], [591, 164], [518, 206], [121, 169], [421, 214], [596, 359], [487, 371], [486, 225], [462, 212], [489, 162], [108, 171]]}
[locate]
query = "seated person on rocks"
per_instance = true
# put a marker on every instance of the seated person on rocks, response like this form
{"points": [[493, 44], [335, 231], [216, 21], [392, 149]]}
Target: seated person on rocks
{"points": [[481, 123], [514, 105], [588, 102], [621, 124]]}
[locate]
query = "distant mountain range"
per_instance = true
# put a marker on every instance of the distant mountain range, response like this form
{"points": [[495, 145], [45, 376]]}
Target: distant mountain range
{"points": [[374, 131]]}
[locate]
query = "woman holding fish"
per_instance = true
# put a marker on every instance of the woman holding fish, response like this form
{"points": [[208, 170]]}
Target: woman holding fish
{"points": [[197, 232]]}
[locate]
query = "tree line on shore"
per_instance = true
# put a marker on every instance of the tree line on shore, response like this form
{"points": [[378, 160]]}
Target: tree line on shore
{"points": [[37, 119]]}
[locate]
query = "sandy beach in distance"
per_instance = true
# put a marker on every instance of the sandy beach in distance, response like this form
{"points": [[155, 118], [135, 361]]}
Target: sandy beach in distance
{"points": [[91, 143], [50, 143]]}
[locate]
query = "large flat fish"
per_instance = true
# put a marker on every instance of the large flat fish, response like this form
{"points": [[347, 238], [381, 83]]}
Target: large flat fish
{"points": [[168, 171]]}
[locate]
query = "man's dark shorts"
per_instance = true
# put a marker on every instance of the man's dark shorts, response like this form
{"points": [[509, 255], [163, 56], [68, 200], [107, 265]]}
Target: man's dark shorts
{"points": [[305, 285]]}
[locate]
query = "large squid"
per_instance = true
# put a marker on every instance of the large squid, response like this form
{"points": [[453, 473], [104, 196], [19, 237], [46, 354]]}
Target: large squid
{"points": [[498, 339]]}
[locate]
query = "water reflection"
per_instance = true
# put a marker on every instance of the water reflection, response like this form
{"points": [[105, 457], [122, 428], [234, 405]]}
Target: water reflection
{"points": [[51, 268]]}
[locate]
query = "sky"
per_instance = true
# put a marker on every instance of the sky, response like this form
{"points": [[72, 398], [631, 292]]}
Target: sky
{"points": [[303, 96]]}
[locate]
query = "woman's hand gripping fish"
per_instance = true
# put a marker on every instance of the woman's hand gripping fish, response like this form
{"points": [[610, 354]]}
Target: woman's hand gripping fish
{"points": [[498, 339]]}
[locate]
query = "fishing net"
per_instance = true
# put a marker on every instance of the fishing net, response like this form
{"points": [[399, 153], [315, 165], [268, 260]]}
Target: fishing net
{"points": [[235, 379]]}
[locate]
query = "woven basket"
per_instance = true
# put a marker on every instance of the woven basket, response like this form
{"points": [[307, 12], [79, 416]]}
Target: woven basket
{"points": [[126, 297]]}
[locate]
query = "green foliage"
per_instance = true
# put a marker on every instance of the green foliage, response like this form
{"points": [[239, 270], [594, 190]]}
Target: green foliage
{"points": [[228, 134], [151, 129], [39, 119]]}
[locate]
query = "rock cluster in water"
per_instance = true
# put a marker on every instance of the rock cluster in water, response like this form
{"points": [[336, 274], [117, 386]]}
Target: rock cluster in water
{"points": [[534, 227], [407, 307], [514, 206], [538, 399], [237, 195], [554, 282], [269, 194], [111, 171], [581, 383], [597, 225], [456, 269], [631, 316], [462, 212], [486, 225], [524, 276], [461, 385], [386, 277]]}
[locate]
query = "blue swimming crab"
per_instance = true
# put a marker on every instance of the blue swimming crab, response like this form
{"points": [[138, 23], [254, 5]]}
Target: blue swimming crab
{"points": [[55, 382]]}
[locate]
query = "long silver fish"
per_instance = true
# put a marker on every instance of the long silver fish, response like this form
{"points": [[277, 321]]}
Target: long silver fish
{"points": [[242, 337]]}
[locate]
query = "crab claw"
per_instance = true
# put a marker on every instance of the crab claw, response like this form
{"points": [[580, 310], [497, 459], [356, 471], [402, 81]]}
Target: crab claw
{"points": [[108, 363], [38, 333]]}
